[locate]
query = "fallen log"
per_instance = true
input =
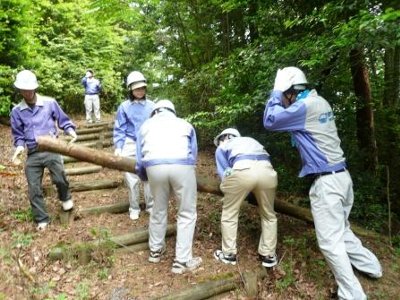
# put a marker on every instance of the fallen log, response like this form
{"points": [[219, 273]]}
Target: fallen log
{"points": [[117, 208], [83, 250], [93, 136], [228, 282], [96, 144], [68, 160], [206, 185], [99, 124], [79, 186], [83, 170], [82, 131]]}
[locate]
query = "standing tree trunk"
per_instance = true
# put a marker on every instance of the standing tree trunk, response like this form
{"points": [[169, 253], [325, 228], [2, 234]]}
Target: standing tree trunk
{"points": [[364, 111]]}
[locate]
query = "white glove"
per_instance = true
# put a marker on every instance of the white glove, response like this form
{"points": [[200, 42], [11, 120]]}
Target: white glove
{"points": [[118, 152], [88, 74], [17, 153], [228, 172], [74, 136], [282, 81]]}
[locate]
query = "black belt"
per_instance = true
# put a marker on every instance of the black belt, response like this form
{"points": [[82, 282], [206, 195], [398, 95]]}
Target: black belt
{"points": [[315, 175]]}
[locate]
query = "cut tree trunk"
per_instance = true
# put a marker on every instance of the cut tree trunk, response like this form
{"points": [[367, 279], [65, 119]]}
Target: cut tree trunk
{"points": [[100, 124], [93, 136], [206, 185], [117, 208], [208, 289], [83, 131], [83, 170], [68, 160], [90, 185], [84, 249]]}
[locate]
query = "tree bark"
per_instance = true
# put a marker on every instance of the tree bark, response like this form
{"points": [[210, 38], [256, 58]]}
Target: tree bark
{"points": [[83, 170], [83, 131], [364, 113], [84, 249]]}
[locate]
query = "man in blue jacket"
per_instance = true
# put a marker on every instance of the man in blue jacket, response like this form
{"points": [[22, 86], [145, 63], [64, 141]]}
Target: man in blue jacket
{"points": [[34, 116], [166, 157], [244, 167], [309, 118], [92, 100], [131, 114]]}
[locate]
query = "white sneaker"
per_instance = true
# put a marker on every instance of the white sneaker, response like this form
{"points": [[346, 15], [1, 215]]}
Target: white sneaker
{"points": [[67, 205], [155, 256], [180, 268], [149, 210], [134, 214], [42, 226], [374, 275]]}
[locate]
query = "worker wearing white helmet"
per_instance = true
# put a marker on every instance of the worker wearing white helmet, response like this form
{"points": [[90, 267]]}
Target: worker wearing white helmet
{"points": [[34, 116], [167, 154], [244, 167], [294, 108], [92, 99], [131, 114]]}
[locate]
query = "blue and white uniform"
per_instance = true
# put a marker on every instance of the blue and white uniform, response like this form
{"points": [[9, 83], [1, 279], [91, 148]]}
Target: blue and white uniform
{"points": [[251, 171], [28, 123], [167, 155], [92, 100], [312, 124], [131, 114]]}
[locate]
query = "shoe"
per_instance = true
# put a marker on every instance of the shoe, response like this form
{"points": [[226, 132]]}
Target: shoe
{"points": [[67, 205], [180, 268], [89, 121], [374, 275], [155, 256], [268, 261], [134, 214], [42, 226], [149, 210], [98, 121], [226, 259]]}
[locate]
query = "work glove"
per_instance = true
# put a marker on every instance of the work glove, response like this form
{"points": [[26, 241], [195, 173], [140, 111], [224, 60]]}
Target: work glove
{"points": [[282, 81], [18, 151], [118, 152], [227, 172], [88, 74], [74, 136]]}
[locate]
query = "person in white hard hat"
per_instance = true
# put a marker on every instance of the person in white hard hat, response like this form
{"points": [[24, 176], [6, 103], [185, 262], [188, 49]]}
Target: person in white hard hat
{"points": [[295, 108], [167, 154], [131, 114], [34, 116], [92, 99], [244, 167]]}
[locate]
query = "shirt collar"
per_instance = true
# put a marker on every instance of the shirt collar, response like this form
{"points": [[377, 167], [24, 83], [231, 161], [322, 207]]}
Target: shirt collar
{"points": [[39, 102]]}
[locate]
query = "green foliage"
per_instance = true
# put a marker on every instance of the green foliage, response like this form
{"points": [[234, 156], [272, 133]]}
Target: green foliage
{"points": [[23, 215], [21, 240]]}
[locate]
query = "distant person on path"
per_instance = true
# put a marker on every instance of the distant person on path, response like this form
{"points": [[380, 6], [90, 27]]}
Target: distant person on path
{"points": [[130, 116], [92, 100], [35, 116], [167, 155], [293, 107], [244, 167]]}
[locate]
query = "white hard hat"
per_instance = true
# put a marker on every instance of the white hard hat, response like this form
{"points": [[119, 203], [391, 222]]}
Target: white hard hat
{"points": [[296, 77], [135, 80], [26, 80], [164, 104], [231, 131]]}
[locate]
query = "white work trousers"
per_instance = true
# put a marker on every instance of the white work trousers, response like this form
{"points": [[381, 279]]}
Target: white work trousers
{"points": [[331, 202], [92, 105], [132, 180], [181, 179], [261, 179]]}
